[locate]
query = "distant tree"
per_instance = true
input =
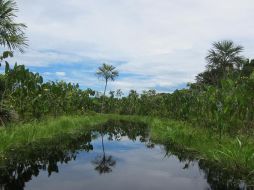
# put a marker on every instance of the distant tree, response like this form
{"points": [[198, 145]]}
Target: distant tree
{"points": [[112, 94], [223, 59], [132, 103], [119, 93], [225, 55], [108, 73]]}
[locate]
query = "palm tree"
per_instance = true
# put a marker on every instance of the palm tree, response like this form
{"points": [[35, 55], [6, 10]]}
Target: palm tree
{"points": [[108, 73], [12, 34], [119, 93], [224, 56]]}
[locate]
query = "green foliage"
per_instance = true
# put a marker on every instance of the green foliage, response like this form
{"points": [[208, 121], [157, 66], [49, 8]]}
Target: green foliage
{"points": [[228, 108], [224, 60], [5, 55], [229, 153], [27, 94], [222, 98], [12, 37], [16, 135]]}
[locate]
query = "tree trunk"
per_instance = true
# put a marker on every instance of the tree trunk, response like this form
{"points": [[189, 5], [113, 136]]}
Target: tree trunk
{"points": [[105, 87], [103, 101]]}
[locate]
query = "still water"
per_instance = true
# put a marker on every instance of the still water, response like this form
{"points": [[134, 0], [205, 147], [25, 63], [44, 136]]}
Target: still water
{"points": [[116, 155]]}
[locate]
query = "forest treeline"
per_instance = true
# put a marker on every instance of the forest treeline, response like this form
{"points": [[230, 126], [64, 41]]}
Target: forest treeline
{"points": [[221, 98]]}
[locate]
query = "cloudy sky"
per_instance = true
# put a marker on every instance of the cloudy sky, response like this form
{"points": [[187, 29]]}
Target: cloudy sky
{"points": [[155, 44]]}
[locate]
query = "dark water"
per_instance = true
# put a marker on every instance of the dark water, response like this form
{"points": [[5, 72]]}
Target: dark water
{"points": [[117, 155]]}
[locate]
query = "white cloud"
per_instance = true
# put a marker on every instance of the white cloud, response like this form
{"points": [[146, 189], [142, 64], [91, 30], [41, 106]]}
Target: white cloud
{"points": [[60, 74], [164, 40]]}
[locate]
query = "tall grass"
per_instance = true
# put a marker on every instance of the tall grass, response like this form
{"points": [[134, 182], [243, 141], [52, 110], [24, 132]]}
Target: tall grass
{"points": [[21, 134], [230, 153]]}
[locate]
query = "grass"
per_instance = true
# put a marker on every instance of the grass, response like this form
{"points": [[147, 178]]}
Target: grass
{"points": [[22, 134], [230, 153]]}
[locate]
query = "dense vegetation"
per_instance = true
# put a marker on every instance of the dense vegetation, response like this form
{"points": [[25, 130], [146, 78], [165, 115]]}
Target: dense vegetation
{"points": [[25, 94], [221, 99]]}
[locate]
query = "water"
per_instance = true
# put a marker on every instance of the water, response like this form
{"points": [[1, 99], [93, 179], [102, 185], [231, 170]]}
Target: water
{"points": [[117, 155]]}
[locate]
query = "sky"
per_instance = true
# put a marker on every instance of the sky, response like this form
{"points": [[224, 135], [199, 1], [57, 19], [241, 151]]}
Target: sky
{"points": [[155, 44]]}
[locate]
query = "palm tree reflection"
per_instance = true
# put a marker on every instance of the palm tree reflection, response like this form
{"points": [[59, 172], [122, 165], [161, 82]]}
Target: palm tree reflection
{"points": [[103, 163]]}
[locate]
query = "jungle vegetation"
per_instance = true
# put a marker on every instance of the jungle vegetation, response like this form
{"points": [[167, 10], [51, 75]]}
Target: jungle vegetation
{"points": [[222, 97]]}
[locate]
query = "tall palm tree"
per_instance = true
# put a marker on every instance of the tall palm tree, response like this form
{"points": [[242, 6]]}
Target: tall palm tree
{"points": [[108, 73], [12, 34], [225, 56]]}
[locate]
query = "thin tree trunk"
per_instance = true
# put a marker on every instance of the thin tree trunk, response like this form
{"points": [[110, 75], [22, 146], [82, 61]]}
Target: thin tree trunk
{"points": [[103, 101], [105, 87]]}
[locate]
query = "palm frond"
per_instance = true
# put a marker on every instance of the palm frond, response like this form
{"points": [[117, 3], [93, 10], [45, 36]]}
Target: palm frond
{"points": [[107, 72], [12, 34], [224, 54]]}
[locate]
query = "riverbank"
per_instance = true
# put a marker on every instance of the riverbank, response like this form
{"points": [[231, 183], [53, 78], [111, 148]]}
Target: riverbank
{"points": [[16, 135], [234, 154], [229, 153]]}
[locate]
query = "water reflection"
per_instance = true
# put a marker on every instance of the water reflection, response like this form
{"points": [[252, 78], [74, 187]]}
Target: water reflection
{"points": [[103, 163], [115, 130], [24, 164]]}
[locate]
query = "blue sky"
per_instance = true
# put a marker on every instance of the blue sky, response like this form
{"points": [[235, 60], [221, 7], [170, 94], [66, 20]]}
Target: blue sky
{"points": [[154, 44]]}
